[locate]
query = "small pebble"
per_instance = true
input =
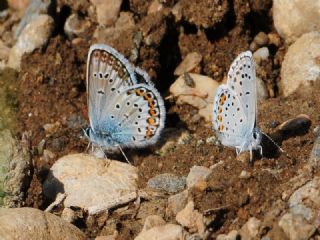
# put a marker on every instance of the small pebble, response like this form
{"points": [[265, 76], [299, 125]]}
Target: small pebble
{"points": [[261, 39], [296, 126], [167, 182], [244, 174]]}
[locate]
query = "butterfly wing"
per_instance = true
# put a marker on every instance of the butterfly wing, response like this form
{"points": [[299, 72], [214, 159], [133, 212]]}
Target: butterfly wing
{"points": [[107, 72], [140, 117], [229, 118], [122, 112], [242, 80]]}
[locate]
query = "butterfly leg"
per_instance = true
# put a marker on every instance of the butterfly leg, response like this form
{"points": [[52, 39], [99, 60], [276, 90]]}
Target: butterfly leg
{"points": [[124, 155], [260, 148]]}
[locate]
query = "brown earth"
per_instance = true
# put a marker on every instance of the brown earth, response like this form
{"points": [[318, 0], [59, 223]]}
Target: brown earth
{"points": [[52, 91]]}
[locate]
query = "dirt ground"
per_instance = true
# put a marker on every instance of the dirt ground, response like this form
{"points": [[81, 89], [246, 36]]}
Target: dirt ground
{"points": [[52, 106]]}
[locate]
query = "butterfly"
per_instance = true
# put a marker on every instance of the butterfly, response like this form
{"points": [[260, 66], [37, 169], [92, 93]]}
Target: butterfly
{"points": [[235, 107], [125, 109]]}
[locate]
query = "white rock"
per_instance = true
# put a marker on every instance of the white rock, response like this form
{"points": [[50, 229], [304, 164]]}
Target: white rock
{"points": [[107, 11], [190, 62], [306, 200], [91, 183], [261, 54], [176, 203], [76, 27], [296, 227], [196, 174], [191, 219], [31, 223], [262, 92], [301, 64], [250, 229], [33, 36], [293, 18], [166, 232], [152, 221], [200, 96]]}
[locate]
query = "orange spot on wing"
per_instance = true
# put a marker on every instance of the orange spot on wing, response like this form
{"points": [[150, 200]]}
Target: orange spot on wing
{"points": [[152, 112], [219, 118], [151, 121], [149, 133], [221, 127], [219, 109]]}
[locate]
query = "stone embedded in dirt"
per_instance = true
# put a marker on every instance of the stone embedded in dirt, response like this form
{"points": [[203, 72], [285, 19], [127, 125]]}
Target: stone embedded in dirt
{"points": [[296, 126], [191, 219], [296, 227], [201, 96], [4, 53], [261, 39], [18, 175], [314, 159], [301, 64], [33, 36], [261, 54], [197, 174], [244, 174], [306, 200], [167, 182], [107, 11], [176, 203], [274, 39], [34, 9], [75, 26], [262, 92], [250, 229], [305, 18], [155, 6], [188, 64], [165, 232], [31, 223], [91, 183], [232, 235], [152, 221]]}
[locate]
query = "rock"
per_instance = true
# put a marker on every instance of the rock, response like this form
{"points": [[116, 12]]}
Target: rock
{"points": [[166, 232], [91, 183], [33, 36], [4, 52], [176, 203], [262, 92], [34, 9], [167, 182], [68, 215], [261, 54], [201, 96], [314, 159], [304, 20], [274, 39], [155, 6], [30, 223], [76, 26], [196, 174], [18, 176], [301, 63], [191, 219], [152, 221], [306, 200], [244, 174], [261, 39], [296, 227], [295, 126], [232, 235], [250, 229], [188, 64], [107, 11], [19, 5]]}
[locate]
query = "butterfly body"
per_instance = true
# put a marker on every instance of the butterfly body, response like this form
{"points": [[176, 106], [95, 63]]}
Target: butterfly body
{"points": [[235, 107], [125, 109]]}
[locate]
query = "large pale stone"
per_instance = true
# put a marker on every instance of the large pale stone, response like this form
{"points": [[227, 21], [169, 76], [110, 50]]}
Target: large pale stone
{"points": [[293, 18], [30, 223], [301, 63], [92, 183]]}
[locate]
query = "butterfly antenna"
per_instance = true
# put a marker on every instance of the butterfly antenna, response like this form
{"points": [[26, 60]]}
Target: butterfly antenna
{"points": [[273, 141], [124, 155]]}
